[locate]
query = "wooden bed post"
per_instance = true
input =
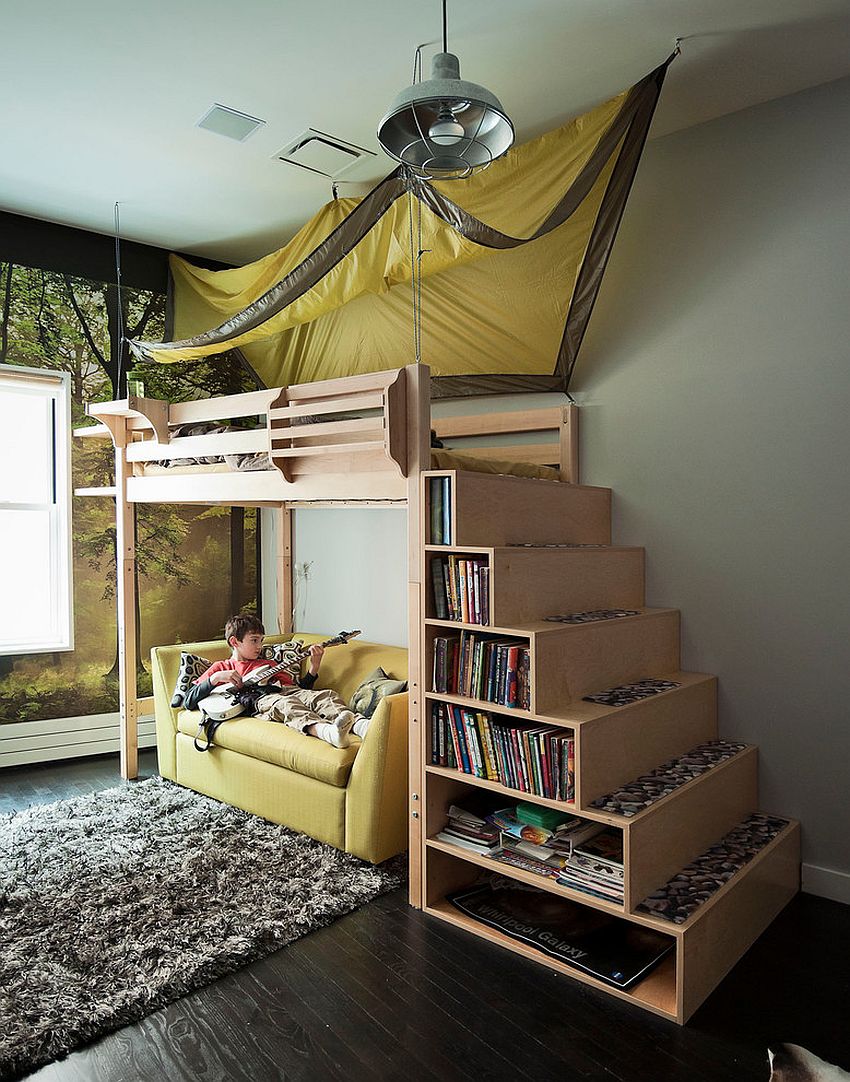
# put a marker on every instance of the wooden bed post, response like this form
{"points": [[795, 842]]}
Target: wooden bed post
{"points": [[568, 439], [125, 578], [418, 459], [285, 592], [119, 418]]}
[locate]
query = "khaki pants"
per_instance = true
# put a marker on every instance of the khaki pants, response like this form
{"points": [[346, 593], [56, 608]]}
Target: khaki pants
{"points": [[298, 708]]}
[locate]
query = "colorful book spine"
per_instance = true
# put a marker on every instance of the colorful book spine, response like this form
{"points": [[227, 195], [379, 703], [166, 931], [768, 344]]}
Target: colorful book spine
{"points": [[436, 499], [441, 609]]}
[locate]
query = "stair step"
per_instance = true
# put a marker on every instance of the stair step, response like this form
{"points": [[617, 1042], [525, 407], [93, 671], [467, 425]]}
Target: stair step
{"points": [[574, 660], [615, 744], [639, 795], [681, 897], [726, 925], [495, 509], [532, 584], [529, 584], [680, 824]]}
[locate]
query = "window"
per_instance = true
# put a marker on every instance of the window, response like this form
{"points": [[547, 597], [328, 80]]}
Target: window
{"points": [[35, 511]]}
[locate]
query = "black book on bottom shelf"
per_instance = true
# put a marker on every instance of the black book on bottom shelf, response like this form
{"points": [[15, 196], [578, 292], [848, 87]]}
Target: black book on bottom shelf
{"points": [[613, 950]]}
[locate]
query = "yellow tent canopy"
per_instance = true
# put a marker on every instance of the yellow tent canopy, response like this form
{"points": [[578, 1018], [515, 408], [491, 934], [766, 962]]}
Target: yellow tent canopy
{"points": [[503, 266]]}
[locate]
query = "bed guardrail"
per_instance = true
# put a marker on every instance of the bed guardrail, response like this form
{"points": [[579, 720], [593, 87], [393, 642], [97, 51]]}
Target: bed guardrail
{"points": [[308, 428], [562, 453], [321, 425]]}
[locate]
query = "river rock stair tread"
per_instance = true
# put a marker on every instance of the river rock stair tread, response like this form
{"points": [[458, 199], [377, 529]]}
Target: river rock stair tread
{"points": [[632, 798], [682, 895]]}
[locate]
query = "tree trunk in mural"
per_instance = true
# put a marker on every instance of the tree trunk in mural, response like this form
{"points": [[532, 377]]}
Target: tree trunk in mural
{"points": [[55, 321], [7, 300], [237, 558]]}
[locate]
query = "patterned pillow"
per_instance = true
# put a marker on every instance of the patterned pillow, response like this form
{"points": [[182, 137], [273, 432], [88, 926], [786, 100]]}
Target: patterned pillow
{"points": [[191, 668], [289, 653], [378, 684]]}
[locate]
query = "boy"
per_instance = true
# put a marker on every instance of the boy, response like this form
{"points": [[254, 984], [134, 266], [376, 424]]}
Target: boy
{"points": [[317, 713]]}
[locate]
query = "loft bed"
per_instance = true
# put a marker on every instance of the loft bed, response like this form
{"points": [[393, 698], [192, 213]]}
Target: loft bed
{"points": [[355, 441]]}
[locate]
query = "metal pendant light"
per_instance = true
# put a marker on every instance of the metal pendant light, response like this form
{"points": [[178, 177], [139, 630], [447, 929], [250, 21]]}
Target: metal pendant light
{"points": [[445, 127]]}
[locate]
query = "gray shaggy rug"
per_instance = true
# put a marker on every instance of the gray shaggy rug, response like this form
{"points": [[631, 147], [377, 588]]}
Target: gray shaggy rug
{"points": [[114, 904]]}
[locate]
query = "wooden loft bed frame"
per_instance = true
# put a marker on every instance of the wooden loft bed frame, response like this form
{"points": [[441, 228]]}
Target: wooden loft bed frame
{"points": [[341, 458]]}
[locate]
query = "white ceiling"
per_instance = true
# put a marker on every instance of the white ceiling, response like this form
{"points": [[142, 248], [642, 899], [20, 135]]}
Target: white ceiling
{"points": [[100, 98]]}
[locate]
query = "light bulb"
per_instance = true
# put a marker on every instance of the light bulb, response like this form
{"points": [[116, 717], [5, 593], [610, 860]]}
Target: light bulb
{"points": [[446, 131]]}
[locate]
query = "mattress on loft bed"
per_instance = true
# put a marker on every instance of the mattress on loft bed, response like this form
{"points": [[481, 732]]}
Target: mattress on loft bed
{"points": [[440, 460]]}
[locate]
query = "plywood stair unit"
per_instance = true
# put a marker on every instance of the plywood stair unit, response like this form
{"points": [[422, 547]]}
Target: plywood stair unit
{"points": [[547, 550]]}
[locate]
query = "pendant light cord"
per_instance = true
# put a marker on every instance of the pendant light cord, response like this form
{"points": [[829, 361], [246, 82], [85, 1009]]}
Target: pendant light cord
{"points": [[416, 254], [445, 39], [121, 334]]}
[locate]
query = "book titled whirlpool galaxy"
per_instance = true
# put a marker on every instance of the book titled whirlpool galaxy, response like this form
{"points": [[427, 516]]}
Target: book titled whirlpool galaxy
{"points": [[613, 950]]}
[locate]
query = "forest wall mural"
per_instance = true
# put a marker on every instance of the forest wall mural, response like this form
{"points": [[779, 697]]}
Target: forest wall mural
{"points": [[195, 564]]}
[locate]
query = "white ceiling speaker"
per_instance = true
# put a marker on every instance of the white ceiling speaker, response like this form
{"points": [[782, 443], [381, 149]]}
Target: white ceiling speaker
{"points": [[229, 122]]}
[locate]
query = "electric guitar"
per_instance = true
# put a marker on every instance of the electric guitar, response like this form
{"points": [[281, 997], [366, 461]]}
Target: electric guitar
{"points": [[223, 703]]}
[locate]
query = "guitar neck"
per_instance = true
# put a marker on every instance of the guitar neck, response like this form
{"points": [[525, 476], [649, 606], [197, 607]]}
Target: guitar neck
{"points": [[267, 674]]}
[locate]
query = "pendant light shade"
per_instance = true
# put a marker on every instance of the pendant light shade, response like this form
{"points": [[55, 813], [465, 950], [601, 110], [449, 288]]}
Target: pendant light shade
{"points": [[445, 127]]}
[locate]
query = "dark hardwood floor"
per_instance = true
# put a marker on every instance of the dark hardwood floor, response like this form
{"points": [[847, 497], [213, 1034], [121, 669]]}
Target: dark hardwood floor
{"points": [[387, 993]]}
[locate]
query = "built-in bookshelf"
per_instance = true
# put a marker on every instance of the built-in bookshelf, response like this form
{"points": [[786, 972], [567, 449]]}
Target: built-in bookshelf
{"points": [[522, 756], [550, 685]]}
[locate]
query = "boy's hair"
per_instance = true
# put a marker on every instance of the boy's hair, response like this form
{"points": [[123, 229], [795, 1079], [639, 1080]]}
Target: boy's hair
{"points": [[244, 623]]}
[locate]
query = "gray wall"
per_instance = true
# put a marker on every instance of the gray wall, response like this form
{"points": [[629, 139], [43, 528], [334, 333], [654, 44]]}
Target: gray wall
{"points": [[350, 571], [715, 385]]}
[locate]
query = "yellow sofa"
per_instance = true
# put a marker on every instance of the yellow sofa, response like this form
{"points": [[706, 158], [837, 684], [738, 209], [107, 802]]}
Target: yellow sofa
{"points": [[354, 798]]}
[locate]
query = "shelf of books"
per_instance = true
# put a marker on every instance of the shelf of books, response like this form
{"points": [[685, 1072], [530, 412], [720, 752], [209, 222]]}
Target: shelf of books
{"points": [[576, 804]]}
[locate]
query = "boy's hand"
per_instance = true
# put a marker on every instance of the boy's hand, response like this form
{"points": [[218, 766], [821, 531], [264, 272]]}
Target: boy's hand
{"points": [[316, 654], [226, 676]]}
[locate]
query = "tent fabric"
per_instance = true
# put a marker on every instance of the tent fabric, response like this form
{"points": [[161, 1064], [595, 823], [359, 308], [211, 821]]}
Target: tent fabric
{"points": [[510, 263]]}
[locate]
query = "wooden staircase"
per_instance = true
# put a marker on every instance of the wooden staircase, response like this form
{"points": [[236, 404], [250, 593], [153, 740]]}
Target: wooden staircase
{"points": [[504, 521]]}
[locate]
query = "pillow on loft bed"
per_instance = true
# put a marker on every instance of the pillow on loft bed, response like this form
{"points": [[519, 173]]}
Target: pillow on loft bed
{"points": [[192, 668], [457, 460], [242, 462], [375, 687]]}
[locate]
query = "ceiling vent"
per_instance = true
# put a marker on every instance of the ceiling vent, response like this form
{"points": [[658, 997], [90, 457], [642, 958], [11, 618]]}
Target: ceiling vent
{"points": [[229, 122], [322, 153]]}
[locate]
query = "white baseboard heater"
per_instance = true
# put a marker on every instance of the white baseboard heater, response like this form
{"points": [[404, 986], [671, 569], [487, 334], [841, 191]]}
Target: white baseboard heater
{"points": [[24, 742]]}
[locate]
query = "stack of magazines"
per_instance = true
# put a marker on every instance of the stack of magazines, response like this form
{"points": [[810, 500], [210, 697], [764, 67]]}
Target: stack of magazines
{"points": [[595, 865], [469, 831], [539, 840]]}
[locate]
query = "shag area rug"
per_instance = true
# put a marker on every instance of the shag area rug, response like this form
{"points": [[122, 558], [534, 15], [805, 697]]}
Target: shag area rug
{"points": [[114, 904]]}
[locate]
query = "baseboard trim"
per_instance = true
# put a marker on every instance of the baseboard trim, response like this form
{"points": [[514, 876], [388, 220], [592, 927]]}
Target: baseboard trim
{"points": [[29, 742], [826, 883]]}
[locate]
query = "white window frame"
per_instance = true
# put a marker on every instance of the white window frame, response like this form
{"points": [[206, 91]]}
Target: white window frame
{"points": [[56, 387]]}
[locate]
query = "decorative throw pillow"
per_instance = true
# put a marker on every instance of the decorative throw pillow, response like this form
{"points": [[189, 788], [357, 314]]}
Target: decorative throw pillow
{"points": [[191, 668], [374, 688], [289, 653]]}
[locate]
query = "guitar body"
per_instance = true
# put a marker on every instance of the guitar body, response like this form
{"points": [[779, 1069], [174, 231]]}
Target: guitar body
{"points": [[221, 705]]}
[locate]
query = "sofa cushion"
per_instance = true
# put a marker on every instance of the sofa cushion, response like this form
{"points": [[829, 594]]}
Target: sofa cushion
{"points": [[289, 653], [192, 668], [274, 743], [374, 688]]}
